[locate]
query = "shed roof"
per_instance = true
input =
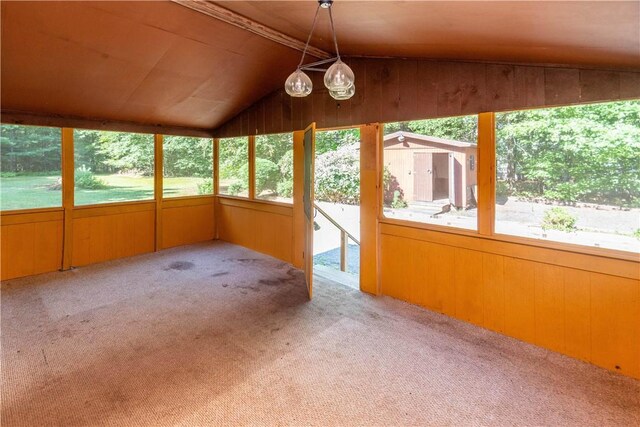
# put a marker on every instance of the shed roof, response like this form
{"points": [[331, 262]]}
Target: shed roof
{"points": [[429, 140]]}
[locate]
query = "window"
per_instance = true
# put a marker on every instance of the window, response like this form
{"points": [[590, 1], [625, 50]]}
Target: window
{"points": [[234, 166], [430, 171], [30, 160], [571, 174], [112, 166], [274, 167], [188, 166]]}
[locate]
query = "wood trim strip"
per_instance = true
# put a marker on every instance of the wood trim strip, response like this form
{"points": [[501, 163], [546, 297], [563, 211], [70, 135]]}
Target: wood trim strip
{"points": [[113, 209], [28, 218], [68, 191], [211, 9], [258, 205], [54, 120], [564, 257], [17, 212], [180, 202]]}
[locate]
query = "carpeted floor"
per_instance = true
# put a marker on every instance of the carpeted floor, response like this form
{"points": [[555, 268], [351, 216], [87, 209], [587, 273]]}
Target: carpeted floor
{"points": [[215, 334]]}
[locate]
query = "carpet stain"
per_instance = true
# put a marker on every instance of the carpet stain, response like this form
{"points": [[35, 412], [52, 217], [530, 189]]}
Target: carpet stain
{"points": [[222, 273], [180, 266], [250, 288]]}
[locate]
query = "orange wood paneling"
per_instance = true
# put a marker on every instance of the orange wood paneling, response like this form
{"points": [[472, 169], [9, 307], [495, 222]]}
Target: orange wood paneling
{"points": [[105, 237], [493, 291], [29, 248], [262, 226], [468, 283], [577, 315], [584, 314], [549, 307], [615, 323], [183, 225]]}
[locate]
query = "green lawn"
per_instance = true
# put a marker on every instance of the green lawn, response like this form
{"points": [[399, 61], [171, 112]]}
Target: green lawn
{"points": [[26, 192]]}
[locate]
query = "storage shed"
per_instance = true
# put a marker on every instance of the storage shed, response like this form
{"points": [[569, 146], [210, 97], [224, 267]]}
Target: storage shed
{"points": [[429, 168]]}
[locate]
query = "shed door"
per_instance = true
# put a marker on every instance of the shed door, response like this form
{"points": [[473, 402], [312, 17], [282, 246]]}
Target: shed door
{"points": [[422, 177]]}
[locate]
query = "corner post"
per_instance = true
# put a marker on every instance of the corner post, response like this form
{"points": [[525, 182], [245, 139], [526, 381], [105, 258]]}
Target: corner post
{"points": [[68, 187], [486, 173]]}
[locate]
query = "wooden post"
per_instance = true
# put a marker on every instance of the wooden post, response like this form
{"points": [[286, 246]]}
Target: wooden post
{"points": [[344, 251], [252, 167], [486, 173], [68, 188], [216, 185], [370, 204], [158, 173], [216, 161]]}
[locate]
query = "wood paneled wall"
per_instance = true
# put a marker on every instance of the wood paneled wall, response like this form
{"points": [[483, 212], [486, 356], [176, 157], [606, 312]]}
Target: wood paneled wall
{"points": [[390, 90], [187, 221], [262, 226], [31, 243], [583, 306], [103, 233]]}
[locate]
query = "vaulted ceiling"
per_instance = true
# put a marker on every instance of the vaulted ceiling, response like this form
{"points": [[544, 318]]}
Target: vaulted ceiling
{"points": [[163, 63]]}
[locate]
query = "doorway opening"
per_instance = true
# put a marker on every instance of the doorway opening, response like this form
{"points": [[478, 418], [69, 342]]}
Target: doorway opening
{"points": [[336, 239]]}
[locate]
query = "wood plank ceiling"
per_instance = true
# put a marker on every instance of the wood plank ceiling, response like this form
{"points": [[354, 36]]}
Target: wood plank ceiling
{"points": [[162, 63]]}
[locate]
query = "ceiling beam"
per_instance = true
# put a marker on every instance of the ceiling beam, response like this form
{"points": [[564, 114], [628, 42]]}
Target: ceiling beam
{"points": [[10, 117], [211, 9]]}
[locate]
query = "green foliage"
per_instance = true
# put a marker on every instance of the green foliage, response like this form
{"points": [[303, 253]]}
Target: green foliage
{"points": [[234, 154], [206, 186], [588, 153], [333, 140], [398, 200], [461, 128], [29, 149], [393, 195], [285, 189], [338, 176], [115, 152], [187, 156], [267, 175], [636, 233], [558, 218], [86, 180], [236, 188]]}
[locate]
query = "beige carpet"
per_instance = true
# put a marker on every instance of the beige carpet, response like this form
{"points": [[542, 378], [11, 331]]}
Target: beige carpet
{"points": [[215, 334]]}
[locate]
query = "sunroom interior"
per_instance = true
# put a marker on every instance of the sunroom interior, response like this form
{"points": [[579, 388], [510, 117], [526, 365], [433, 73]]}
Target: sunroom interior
{"points": [[157, 208]]}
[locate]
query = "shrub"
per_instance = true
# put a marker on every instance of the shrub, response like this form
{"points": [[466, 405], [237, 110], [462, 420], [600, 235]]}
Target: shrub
{"points": [[85, 179], [558, 219], [393, 194], [206, 186], [338, 176], [285, 189], [267, 174], [236, 188], [636, 233]]}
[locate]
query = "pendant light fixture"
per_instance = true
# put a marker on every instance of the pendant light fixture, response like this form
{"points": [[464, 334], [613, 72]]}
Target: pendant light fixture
{"points": [[338, 78]]}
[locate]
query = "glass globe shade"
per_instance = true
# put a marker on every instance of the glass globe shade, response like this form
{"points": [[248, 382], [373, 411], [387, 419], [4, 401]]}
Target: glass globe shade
{"points": [[341, 95], [298, 84], [339, 77]]}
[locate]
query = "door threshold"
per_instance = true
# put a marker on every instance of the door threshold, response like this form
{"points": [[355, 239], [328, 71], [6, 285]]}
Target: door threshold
{"points": [[337, 276]]}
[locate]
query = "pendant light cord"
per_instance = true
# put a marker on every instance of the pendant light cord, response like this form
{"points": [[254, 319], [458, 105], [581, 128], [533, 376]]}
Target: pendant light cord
{"points": [[333, 30], [313, 26]]}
